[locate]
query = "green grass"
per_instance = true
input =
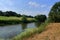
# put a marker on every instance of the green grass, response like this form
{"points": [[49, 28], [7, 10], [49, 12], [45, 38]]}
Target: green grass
{"points": [[13, 20], [29, 32], [9, 18]]}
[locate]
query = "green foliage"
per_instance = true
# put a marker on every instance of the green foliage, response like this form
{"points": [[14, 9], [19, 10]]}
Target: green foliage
{"points": [[41, 18], [9, 13], [24, 19], [54, 14], [28, 16]]}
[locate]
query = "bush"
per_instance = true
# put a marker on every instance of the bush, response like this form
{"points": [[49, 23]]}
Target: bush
{"points": [[24, 19], [40, 18]]}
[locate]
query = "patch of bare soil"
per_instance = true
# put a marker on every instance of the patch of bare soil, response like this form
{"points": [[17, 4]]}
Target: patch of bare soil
{"points": [[52, 33]]}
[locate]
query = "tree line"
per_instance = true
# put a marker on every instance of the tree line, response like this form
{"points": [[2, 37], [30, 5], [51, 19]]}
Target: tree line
{"points": [[40, 18], [11, 13]]}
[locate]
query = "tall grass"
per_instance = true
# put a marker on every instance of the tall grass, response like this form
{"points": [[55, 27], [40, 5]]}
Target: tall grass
{"points": [[29, 32]]}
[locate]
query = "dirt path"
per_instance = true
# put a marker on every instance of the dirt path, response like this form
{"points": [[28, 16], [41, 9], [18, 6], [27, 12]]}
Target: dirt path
{"points": [[52, 33]]}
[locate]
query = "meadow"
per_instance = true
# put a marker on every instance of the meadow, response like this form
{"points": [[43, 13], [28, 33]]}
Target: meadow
{"points": [[13, 20]]}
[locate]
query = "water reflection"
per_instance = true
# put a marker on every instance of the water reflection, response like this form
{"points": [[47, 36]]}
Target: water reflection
{"points": [[31, 25], [13, 30], [24, 25], [37, 24]]}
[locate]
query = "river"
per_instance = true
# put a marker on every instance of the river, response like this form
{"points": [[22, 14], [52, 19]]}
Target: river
{"points": [[10, 31]]}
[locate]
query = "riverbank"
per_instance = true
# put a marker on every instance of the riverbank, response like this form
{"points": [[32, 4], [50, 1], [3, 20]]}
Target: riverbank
{"points": [[52, 32], [29, 32], [14, 20]]}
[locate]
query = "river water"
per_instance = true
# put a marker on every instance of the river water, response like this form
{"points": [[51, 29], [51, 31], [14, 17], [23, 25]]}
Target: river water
{"points": [[13, 30]]}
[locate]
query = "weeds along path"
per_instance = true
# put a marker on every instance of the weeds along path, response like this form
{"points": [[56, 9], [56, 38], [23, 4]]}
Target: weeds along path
{"points": [[52, 33]]}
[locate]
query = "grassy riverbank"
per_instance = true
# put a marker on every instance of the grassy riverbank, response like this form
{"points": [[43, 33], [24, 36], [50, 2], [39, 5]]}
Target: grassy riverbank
{"points": [[29, 32], [13, 20]]}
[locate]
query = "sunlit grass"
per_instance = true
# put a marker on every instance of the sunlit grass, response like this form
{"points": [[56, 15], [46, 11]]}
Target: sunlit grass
{"points": [[13, 20], [9, 18]]}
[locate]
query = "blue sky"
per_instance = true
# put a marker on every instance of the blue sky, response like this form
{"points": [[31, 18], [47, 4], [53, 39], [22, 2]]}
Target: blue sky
{"points": [[27, 7]]}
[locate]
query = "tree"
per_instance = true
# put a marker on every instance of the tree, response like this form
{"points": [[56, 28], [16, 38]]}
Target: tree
{"points": [[1, 13], [30, 16], [11, 13], [54, 14], [41, 18], [18, 15], [24, 19]]}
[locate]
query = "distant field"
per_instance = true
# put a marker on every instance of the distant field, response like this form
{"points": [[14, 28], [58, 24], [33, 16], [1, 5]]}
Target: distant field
{"points": [[9, 18], [13, 20]]}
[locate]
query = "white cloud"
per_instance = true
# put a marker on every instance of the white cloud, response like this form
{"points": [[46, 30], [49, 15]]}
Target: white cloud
{"points": [[50, 6], [34, 13], [33, 4], [6, 2], [42, 6], [6, 5]]}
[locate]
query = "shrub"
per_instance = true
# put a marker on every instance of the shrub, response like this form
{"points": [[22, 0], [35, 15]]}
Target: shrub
{"points": [[41, 18], [24, 19]]}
